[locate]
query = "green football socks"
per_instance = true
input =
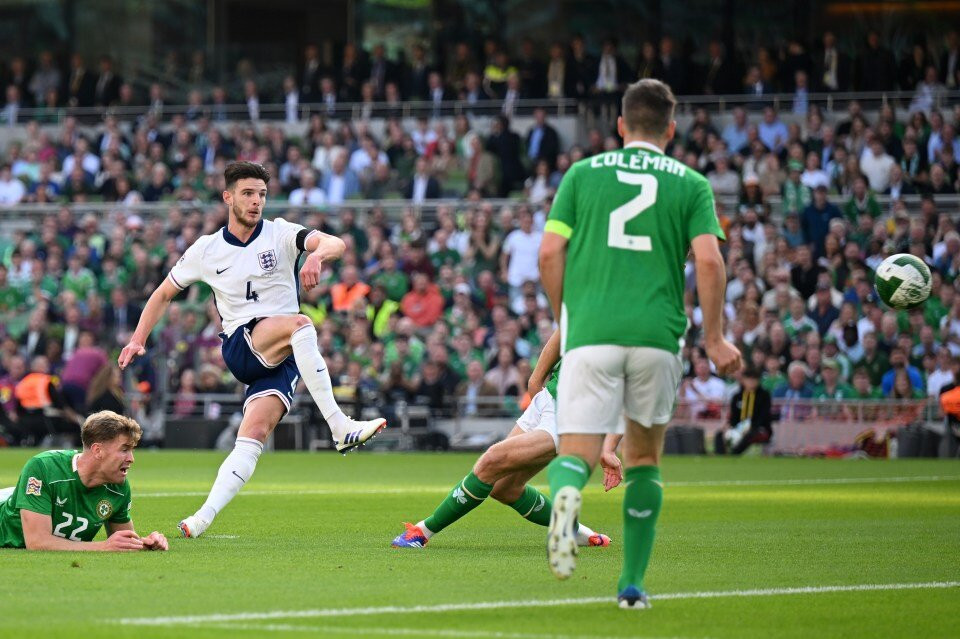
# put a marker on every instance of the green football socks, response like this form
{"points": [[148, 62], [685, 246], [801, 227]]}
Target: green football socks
{"points": [[464, 497], [567, 470], [642, 499], [533, 506]]}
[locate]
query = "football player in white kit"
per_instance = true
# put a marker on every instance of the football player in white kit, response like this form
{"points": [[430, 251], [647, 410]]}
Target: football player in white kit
{"points": [[251, 265]]}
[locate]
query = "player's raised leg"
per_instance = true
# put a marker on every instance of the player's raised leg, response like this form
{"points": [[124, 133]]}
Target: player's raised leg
{"points": [[260, 417], [642, 499], [276, 338]]}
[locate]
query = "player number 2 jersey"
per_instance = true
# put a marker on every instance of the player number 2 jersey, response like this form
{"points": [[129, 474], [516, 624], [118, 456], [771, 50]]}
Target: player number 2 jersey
{"points": [[252, 279], [50, 485], [629, 216]]}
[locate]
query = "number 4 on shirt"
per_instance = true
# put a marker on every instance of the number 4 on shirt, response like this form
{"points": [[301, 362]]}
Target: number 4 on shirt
{"points": [[252, 294]]}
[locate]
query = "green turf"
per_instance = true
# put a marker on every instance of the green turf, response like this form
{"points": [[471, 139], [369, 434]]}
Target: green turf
{"points": [[331, 550]]}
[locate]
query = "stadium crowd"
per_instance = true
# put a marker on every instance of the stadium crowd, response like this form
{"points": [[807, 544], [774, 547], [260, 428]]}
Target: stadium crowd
{"points": [[487, 70], [426, 309]]}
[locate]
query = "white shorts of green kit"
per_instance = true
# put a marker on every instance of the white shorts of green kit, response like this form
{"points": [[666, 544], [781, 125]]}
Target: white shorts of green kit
{"points": [[541, 414], [600, 383]]}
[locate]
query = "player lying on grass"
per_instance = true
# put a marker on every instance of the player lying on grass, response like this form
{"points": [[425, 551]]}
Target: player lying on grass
{"points": [[64, 497], [251, 265], [504, 470]]}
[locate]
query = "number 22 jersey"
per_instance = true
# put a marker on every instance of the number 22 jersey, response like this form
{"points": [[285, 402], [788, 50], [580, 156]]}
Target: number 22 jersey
{"points": [[49, 485]]}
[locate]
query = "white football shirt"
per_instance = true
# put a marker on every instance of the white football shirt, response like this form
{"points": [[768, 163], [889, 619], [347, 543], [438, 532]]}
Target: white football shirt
{"points": [[250, 280]]}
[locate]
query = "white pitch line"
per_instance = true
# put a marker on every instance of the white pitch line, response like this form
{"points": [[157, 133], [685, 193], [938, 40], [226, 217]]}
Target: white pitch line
{"points": [[812, 482], [401, 632], [530, 603], [670, 484]]}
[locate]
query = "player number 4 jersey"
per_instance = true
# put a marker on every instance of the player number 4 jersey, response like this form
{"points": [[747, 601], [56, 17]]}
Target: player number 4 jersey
{"points": [[253, 279], [629, 216]]}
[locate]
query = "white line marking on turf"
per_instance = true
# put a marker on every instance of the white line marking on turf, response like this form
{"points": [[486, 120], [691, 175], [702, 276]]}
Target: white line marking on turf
{"points": [[403, 632], [814, 482], [675, 484], [222, 536], [530, 603]]}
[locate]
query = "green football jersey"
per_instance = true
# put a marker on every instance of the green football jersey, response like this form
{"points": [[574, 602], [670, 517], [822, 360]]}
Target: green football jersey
{"points": [[49, 485], [553, 380], [629, 216]]}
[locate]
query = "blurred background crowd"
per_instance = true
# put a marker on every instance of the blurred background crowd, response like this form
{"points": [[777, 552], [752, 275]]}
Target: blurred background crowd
{"points": [[445, 309]]}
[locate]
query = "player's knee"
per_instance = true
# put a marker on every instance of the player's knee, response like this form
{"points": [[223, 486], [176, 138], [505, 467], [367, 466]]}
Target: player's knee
{"points": [[257, 429], [491, 464], [299, 321]]}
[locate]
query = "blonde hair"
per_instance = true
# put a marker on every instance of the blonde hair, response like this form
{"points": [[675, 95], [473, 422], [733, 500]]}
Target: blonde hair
{"points": [[106, 426]]}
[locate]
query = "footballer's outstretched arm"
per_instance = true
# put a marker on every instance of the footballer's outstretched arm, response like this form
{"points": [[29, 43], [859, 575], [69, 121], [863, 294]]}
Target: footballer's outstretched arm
{"points": [[321, 247], [549, 357], [37, 535], [711, 284], [553, 259], [152, 312]]}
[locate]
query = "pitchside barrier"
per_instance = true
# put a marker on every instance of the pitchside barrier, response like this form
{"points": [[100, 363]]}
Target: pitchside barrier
{"points": [[903, 428]]}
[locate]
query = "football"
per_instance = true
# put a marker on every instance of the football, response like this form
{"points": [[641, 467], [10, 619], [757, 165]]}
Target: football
{"points": [[903, 281]]}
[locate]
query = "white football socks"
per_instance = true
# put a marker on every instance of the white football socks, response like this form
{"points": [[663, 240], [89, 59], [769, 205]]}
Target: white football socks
{"points": [[583, 535], [426, 531], [313, 371], [235, 471]]}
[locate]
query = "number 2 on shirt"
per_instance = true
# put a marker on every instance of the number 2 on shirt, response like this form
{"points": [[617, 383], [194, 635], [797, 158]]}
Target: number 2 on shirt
{"points": [[617, 236]]}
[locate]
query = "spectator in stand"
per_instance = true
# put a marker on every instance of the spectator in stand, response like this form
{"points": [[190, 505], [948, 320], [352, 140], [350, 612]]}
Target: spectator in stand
{"points": [[875, 165], [106, 391], [704, 390], [349, 290], [823, 313], [750, 412], [308, 193], [341, 183], [877, 66], [423, 186], [12, 190], [424, 303], [519, 259], [900, 366], [772, 131], [801, 94], [723, 180], [473, 389], [107, 90], [543, 142], [930, 93], [482, 169], [81, 83], [735, 133], [816, 218], [504, 376], [505, 145]]}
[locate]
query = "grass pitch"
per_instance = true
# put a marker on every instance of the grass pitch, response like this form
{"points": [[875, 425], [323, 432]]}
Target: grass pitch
{"points": [[746, 548]]}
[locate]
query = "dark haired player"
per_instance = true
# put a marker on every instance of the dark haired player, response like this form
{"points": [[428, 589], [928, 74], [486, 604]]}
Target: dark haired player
{"points": [[618, 235], [251, 265]]}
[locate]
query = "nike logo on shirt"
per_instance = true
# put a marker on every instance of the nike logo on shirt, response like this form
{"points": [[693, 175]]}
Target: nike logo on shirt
{"points": [[219, 271]]}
